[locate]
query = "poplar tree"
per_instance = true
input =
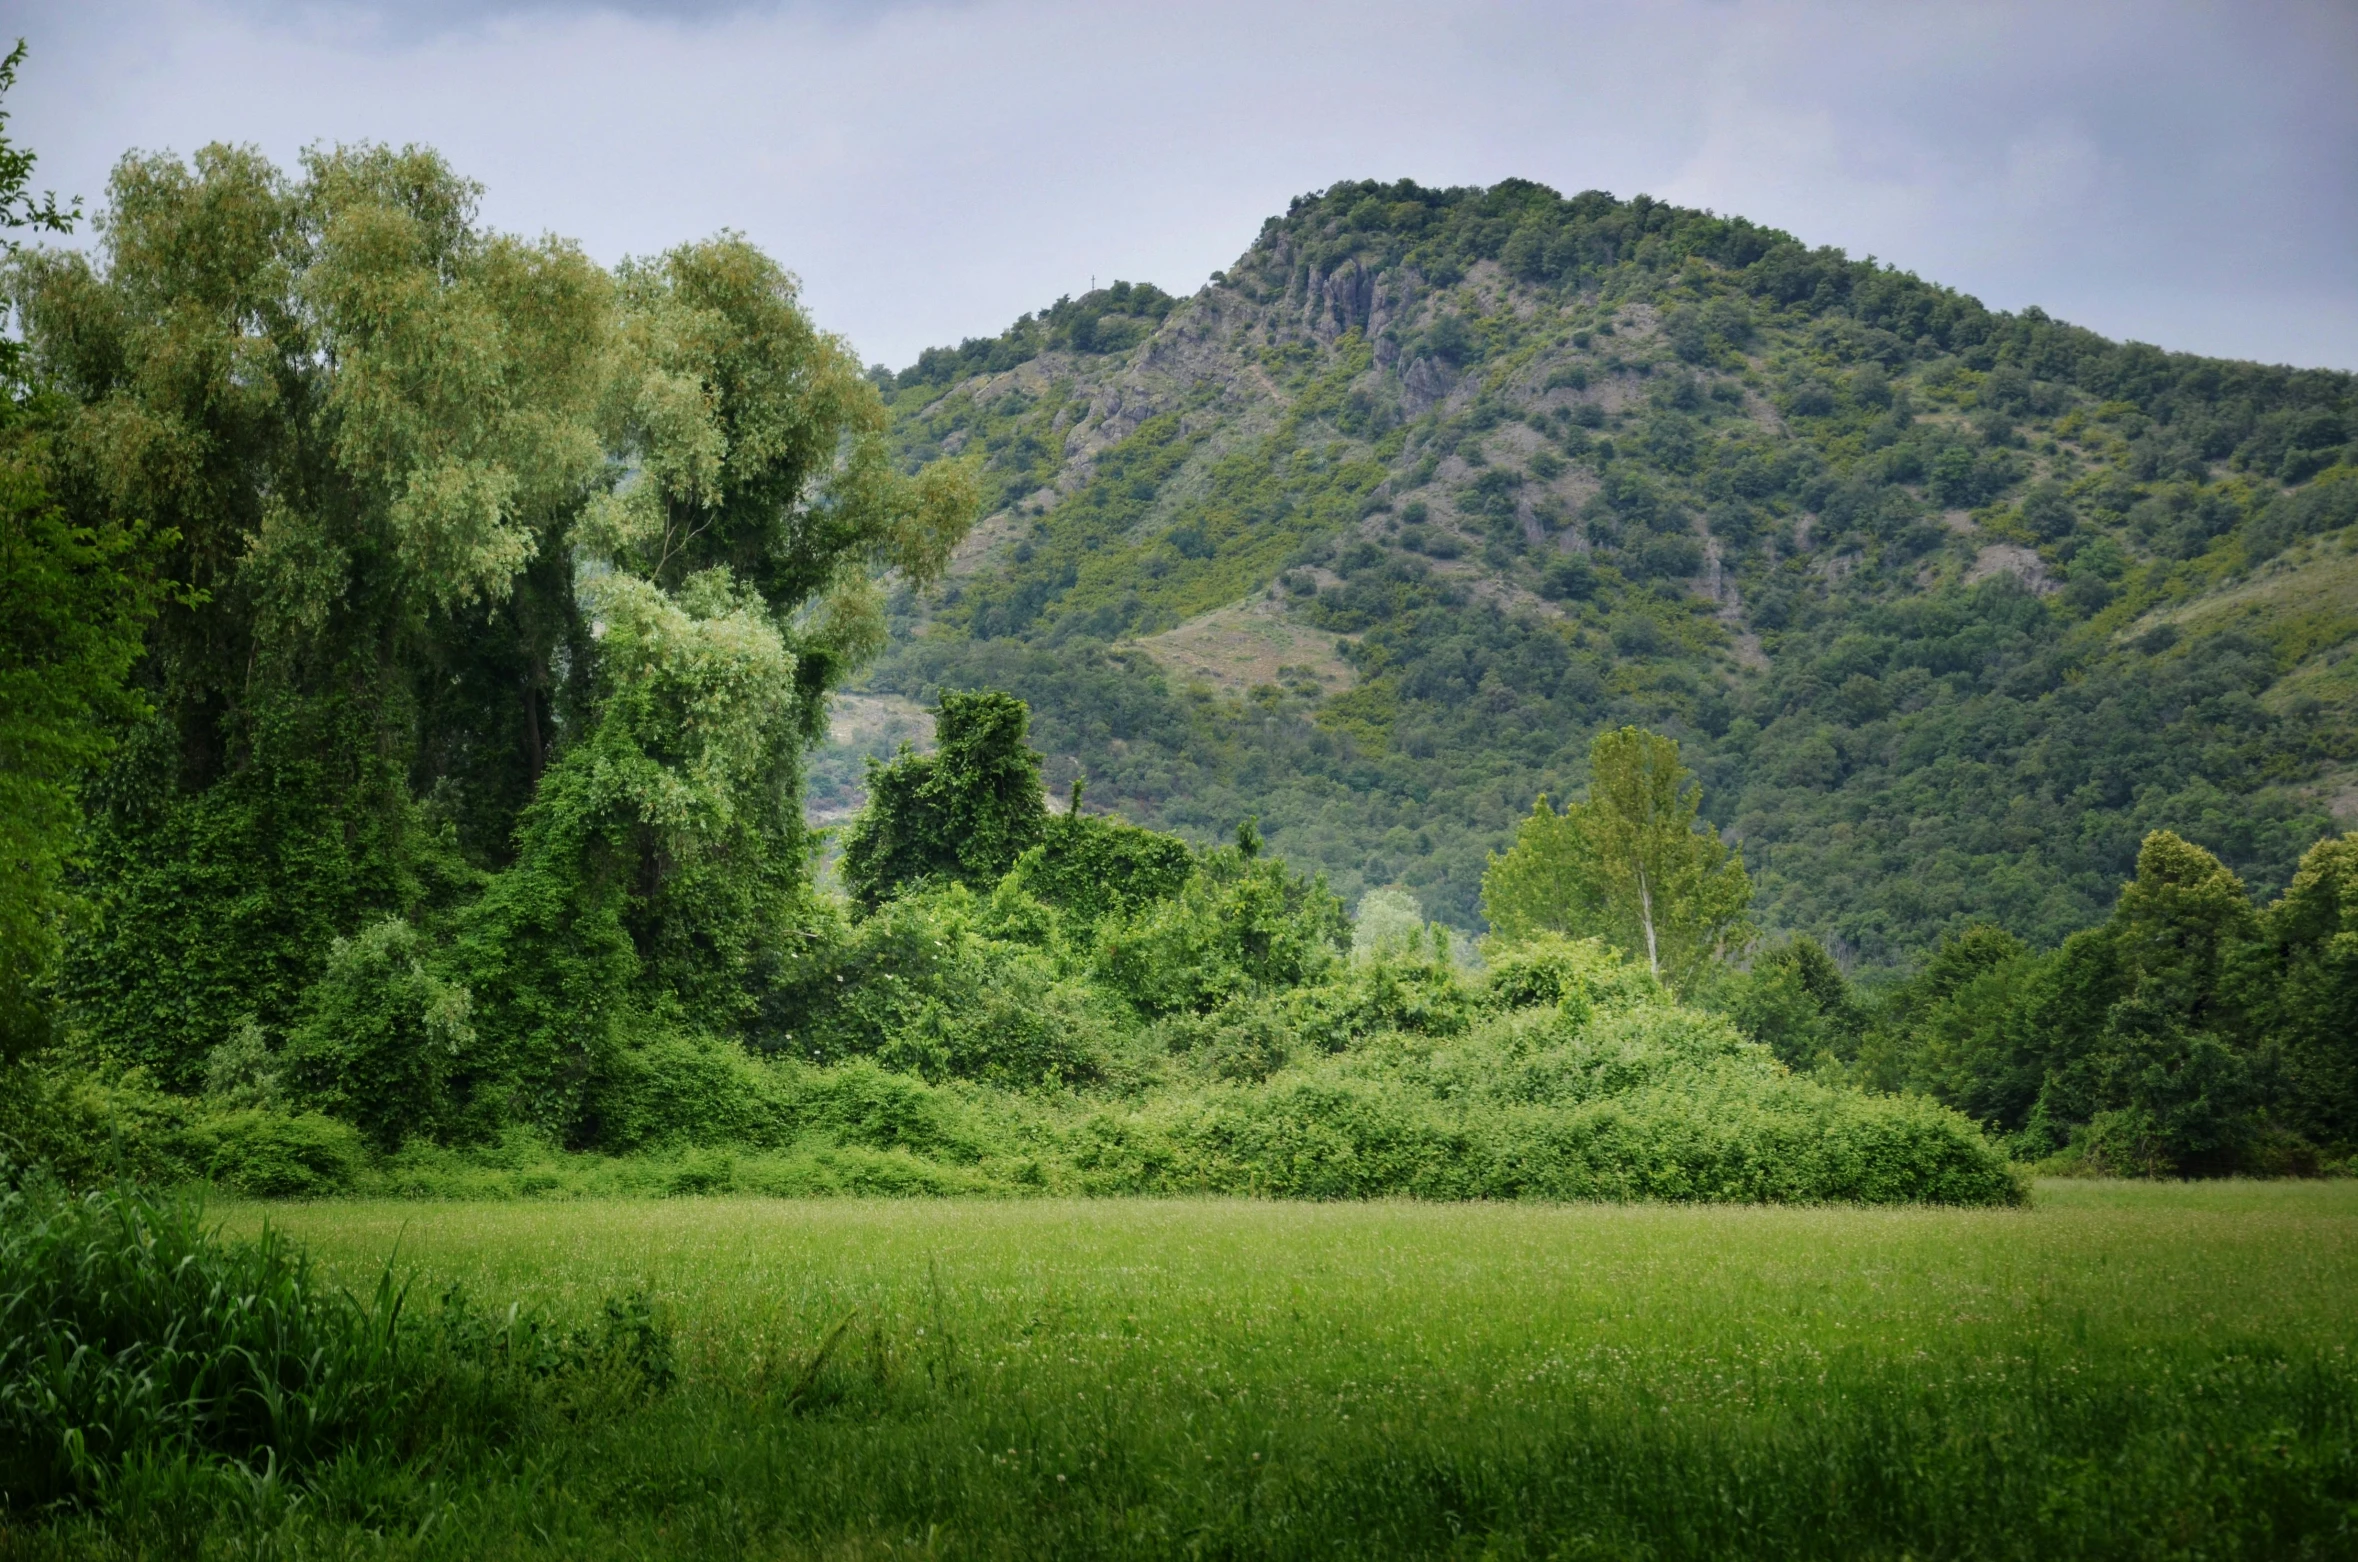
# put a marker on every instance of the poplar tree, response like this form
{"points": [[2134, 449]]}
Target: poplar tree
{"points": [[1633, 864]]}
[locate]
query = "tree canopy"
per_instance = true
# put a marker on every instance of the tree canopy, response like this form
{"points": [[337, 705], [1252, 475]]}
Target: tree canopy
{"points": [[508, 593]]}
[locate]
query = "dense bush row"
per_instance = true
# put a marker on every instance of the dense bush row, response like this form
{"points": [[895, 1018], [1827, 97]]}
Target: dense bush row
{"points": [[1046, 1003]]}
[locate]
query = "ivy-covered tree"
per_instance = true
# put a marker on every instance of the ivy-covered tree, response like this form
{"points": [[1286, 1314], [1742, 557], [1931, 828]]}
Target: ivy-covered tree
{"points": [[513, 592], [962, 815]]}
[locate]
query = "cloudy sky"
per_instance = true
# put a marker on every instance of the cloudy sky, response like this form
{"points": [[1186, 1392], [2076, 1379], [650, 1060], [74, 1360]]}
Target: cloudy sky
{"points": [[2177, 173]]}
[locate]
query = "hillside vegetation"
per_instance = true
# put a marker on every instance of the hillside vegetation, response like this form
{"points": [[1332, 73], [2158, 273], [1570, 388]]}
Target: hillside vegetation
{"points": [[1950, 608]]}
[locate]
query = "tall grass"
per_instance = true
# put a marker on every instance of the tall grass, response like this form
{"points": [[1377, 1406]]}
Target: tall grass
{"points": [[2144, 1372], [140, 1347]]}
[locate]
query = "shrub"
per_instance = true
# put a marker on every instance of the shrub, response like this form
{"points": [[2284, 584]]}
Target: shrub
{"points": [[1091, 867], [87, 1129], [1590, 1086], [1242, 924], [1573, 973], [381, 1039], [271, 1154], [875, 1108], [676, 1086], [925, 986]]}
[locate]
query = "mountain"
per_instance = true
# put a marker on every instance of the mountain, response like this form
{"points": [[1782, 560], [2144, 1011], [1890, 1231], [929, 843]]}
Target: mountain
{"points": [[1367, 537]]}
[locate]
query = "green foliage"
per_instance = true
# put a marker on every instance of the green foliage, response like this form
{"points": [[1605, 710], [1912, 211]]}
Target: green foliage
{"points": [[73, 603], [136, 1340], [1105, 320], [74, 600], [2312, 991], [1629, 863], [1572, 974], [666, 1087], [381, 1041], [1641, 1101], [2186, 1035], [132, 1332], [1091, 867], [1542, 883], [275, 1154], [1387, 922], [1796, 1002], [1103, 566], [660, 860], [210, 906], [1241, 924], [962, 816], [89, 1130], [510, 593], [930, 985]]}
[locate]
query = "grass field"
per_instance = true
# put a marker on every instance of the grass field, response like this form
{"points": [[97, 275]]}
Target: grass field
{"points": [[2133, 1371]]}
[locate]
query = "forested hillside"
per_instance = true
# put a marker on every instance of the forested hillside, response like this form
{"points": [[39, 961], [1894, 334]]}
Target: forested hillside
{"points": [[1949, 607]]}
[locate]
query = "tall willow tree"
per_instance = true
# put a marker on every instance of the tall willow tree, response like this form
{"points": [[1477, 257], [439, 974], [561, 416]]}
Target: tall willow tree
{"points": [[509, 593]]}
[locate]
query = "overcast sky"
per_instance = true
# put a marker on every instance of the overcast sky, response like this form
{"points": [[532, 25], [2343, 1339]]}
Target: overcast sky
{"points": [[2176, 173]]}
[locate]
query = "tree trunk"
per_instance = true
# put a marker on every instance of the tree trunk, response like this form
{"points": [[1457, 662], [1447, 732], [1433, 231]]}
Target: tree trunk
{"points": [[1646, 911]]}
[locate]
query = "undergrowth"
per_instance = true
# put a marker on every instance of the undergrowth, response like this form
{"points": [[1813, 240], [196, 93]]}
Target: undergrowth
{"points": [[148, 1362]]}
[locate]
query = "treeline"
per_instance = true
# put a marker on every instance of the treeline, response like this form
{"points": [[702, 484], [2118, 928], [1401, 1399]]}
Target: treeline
{"points": [[1103, 320], [2289, 422], [2192, 1033], [413, 634]]}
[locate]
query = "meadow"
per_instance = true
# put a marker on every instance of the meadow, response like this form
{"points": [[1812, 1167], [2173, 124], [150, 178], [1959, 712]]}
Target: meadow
{"points": [[2118, 1370]]}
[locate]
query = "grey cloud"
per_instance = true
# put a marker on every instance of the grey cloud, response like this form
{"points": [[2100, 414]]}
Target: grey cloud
{"points": [[2180, 173]]}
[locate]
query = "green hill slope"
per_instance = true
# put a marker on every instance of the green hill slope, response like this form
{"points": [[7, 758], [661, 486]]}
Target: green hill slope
{"points": [[1370, 534]]}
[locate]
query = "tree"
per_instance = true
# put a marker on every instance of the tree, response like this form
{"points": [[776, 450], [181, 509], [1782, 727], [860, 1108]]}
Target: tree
{"points": [[1545, 882], [1630, 864], [74, 600], [1796, 1002], [2142, 1029], [514, 589], [2312, 994], [965, 813]]}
